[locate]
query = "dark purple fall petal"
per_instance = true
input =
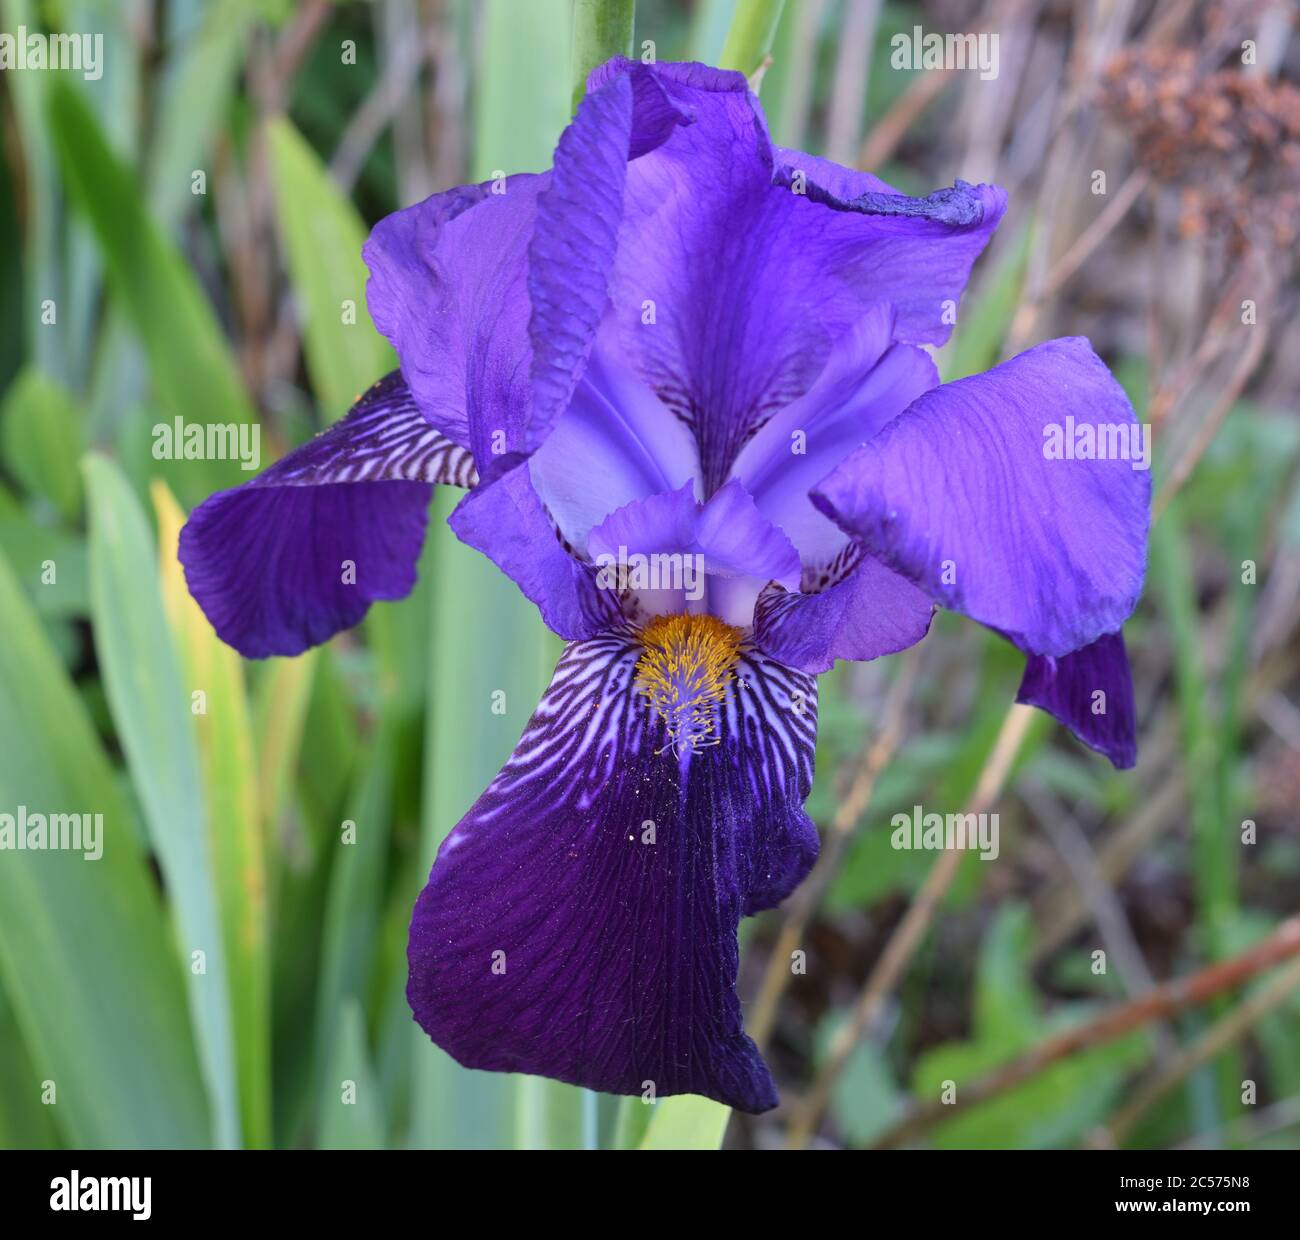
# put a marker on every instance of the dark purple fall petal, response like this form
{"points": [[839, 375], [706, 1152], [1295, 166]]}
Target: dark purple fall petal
{"points": [[958, 495], [268, 562], [1091, 692], [618, 956]]}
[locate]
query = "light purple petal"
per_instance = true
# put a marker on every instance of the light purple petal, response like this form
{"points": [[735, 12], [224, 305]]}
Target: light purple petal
{"points": [[737, 549], [300, 552], [615, 443], [617, 956], [1091, 692], [506, 521], [958, 495], [867, 382]]}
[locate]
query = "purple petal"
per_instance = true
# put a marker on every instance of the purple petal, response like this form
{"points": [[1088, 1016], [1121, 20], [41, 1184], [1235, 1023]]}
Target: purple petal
{"points": [[491, 294], [615, 443], [866, 612], [867, 382], [750, 280], [737, 548], [618, 957], [578, 217], [958, 495], [268, 562], [506, 521], [1091, 692], [448, 288]]}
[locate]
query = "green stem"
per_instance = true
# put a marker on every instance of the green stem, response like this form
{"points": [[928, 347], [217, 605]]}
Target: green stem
{"points": [[601, 29], [750, 38]]}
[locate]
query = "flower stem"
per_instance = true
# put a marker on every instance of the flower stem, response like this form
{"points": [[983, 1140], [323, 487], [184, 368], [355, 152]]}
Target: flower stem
{"points": [[601, 29], [750, 38]]}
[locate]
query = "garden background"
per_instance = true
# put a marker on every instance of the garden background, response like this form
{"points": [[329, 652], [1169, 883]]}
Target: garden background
{"points": [[181, 237]]}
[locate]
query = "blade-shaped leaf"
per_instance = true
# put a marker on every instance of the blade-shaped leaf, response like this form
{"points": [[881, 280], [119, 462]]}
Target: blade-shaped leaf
{"points": [[151, 708], [322, 236], [225, 744], [87, 960]]}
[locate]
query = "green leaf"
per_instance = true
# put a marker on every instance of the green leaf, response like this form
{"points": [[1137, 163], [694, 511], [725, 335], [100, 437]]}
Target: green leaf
{"points": [[193, 373], [43, 439], [200, 79], [753, 27], [322, 236], [151, 709], [687, 1122], [601, 29], [354, 904], [224, 736], [85, 954], [351, 1110]]}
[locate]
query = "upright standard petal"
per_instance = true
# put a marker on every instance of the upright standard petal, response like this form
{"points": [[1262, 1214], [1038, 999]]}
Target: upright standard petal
{"points": [[491, 294], [965, 495], [300, 552], [580, 921], [1091, 692], [735, 271]]}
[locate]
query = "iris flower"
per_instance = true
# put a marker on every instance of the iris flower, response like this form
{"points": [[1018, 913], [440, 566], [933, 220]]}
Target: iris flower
{"points": [[686, 344]]}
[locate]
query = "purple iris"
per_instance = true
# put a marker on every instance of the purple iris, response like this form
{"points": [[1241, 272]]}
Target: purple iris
{"points": [[684, 376]]}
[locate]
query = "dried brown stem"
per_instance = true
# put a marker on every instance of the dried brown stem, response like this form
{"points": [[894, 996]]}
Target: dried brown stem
{"points": [[1165, 1001], [908, 934]]}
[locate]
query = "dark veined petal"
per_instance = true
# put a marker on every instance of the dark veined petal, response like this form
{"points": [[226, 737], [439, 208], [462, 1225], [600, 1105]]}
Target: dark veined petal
{"points": [[580, 921], [1091, 692], [962, 495], [300, 552]]}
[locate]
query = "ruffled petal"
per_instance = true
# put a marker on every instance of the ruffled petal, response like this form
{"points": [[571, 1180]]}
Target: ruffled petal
{"points": [[300, 552], [448, 288], [1091, 692], [491, 294], [733, 277], [555, 938], [962, 495]]}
